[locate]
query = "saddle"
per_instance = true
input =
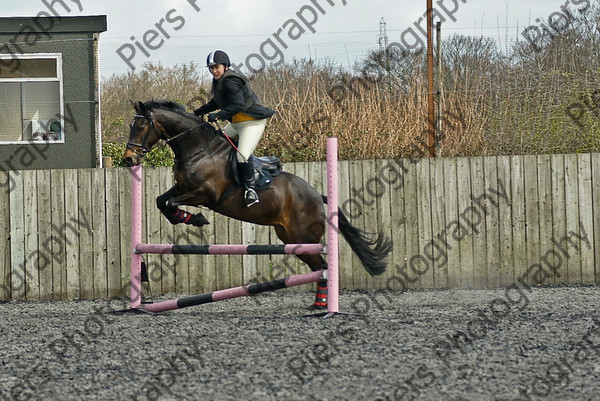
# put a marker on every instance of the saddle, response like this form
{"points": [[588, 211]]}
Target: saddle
{"points": [[265, 168]]}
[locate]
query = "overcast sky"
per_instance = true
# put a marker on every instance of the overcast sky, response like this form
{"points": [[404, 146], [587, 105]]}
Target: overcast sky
{"points": [[345, 33]]}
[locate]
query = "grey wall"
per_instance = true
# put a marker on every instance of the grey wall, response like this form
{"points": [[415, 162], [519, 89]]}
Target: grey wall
{"points": [[78, 150]]}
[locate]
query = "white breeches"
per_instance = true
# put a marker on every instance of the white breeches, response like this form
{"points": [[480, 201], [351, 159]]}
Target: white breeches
{"points": [[248, 133]]}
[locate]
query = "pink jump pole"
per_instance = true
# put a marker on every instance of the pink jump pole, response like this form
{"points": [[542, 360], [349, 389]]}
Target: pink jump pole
{"points": [[332, 228], [136, 236], [229, 293], [230, 249]]}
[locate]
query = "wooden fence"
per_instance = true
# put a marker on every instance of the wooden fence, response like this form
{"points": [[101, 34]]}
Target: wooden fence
{"points": [[455, 222]]}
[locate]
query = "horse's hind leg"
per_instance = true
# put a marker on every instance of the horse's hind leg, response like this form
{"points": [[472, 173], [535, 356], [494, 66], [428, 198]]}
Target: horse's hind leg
{"points": [[315, 262], [176, 215], [291, 236]]}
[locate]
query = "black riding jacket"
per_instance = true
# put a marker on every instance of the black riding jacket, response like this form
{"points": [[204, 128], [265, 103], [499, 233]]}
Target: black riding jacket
{"points": [[233, 94]]}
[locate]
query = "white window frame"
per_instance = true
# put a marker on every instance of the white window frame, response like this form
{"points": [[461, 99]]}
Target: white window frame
{"points": [[58, 78]]}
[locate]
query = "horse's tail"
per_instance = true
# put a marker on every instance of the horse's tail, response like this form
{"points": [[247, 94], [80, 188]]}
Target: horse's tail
{"points": [[371, 248]]}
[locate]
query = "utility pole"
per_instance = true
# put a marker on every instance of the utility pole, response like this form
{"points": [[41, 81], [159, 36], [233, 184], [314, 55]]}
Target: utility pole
{"points": [[440, 87], [383, 47], [383, 38], [430, 85]]}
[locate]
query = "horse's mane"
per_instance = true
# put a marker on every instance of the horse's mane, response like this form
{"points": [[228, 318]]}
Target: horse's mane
{"points": [[168, 105]]}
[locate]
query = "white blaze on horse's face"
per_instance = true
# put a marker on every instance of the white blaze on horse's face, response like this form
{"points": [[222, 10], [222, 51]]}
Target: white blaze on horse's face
{"points": [[131, 158]]}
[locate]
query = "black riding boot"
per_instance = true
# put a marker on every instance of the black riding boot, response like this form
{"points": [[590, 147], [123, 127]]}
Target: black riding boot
{"points": [[250, 195]]}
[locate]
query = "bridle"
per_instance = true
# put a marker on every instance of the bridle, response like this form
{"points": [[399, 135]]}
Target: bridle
{"points": [[140, 149]]}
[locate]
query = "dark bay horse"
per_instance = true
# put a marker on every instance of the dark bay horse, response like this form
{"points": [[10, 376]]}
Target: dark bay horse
{"points": [[204, 177]]}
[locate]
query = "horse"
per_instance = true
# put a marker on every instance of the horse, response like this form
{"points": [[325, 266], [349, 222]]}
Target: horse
{"points": [[204, 176]]}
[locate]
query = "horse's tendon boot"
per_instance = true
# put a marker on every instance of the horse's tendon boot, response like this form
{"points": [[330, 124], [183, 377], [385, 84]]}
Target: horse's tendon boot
{"points": [[181, 216], [321, 295]]}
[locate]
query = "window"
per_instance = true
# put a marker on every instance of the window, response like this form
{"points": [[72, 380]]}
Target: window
{"points": [[31, 101]]}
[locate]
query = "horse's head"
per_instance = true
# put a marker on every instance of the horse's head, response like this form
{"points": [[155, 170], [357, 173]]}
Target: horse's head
{"points": [[144, 133]]}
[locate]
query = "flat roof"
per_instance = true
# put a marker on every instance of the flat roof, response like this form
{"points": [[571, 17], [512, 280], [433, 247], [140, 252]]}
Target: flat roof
{"points": [[91, 23]]}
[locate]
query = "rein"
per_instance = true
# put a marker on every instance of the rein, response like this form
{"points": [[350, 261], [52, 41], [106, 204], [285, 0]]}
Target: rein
{"points": [[198, 152], [184, 132]]}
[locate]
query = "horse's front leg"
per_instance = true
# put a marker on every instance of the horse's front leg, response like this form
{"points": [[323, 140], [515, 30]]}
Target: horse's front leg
{"points": [[168, 203]]}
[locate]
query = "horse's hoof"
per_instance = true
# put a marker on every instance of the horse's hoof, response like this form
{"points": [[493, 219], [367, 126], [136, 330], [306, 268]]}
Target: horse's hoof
{"points": [[199, 220], [315, 307]]}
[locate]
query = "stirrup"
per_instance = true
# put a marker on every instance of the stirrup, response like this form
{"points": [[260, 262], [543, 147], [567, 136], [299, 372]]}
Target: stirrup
{"points": [[250, 197]]}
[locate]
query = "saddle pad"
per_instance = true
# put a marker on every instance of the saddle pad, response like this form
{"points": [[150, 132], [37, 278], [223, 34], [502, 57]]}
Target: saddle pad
{"points": [[265, 168]]}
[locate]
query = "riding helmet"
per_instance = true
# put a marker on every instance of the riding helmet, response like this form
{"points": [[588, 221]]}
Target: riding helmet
{"points": [[218, 57]]}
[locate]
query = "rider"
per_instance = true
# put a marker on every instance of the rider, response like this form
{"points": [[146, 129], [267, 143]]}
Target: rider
{"points": [[240, 106]]}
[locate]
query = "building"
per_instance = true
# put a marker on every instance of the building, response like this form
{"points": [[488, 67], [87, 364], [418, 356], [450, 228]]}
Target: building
{"points": [[49, 92]]}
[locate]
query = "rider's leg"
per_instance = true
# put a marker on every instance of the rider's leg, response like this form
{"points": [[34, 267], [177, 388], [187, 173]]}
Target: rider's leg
{"points": [[247, 173], [250, 134], [231, 131]]}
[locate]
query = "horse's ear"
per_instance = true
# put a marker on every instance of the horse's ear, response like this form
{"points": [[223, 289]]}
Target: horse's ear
{"points": [[139, 107]]}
